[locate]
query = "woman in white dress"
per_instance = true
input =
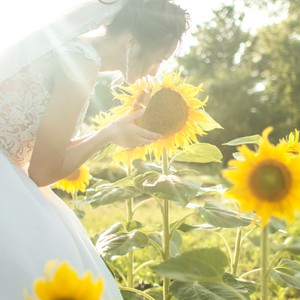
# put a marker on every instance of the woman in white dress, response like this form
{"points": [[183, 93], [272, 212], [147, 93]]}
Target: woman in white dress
{"points": [[42, 99]]}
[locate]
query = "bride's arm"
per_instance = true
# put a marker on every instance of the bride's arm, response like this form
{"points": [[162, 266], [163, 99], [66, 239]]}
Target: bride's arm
{"points": [[53, 158]]}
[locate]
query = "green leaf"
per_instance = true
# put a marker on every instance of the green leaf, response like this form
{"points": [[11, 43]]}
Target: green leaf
{"points": [[168, 187], [287, 274], [188, 228], [133, 225], [200, 153], [211, 290], [200, 264], [120, 243], [127, 295], [156, 293], [117, 227], [276, 225], [252, 139], [79, 213], [243, 287], [292, 245], [192, 291], [111, 194], [210, 123], [219, 216]]}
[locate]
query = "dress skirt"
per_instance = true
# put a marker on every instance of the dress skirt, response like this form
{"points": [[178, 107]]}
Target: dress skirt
{"points": [[36, 227]]}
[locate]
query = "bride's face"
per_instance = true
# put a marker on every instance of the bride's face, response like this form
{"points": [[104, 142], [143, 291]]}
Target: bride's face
{"points": [[140, 64]]}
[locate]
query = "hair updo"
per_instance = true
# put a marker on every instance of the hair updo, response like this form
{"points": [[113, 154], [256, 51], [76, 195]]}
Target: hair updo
{"points": [[153, 23]]}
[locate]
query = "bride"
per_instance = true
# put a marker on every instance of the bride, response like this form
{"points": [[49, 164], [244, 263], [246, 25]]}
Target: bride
{"points": [[45, 84]]}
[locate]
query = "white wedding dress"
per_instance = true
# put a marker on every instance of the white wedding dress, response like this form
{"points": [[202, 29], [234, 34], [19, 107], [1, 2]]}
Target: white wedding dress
{"points": [[35, 225]]}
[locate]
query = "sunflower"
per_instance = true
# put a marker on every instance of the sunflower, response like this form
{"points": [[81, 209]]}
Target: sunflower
{"points": [[171, 109], [62, 282], [267, 181], [292, 142], [77, 181]]}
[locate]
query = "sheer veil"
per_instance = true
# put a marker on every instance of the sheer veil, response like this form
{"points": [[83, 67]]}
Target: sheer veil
{"points": [[82, 18]]}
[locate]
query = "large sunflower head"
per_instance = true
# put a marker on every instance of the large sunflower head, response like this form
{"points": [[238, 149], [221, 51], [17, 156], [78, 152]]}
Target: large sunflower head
{"points": [[62, 282], [267, 181], [171, 109], [77, 181], [292, 142]]}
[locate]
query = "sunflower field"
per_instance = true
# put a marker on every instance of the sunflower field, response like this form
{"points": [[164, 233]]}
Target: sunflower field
{"points": [[204, 212], [171, 222]]}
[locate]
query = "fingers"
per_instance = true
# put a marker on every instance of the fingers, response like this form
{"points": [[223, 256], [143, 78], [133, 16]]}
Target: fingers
{"points": [[150, 135], [133, 116]]}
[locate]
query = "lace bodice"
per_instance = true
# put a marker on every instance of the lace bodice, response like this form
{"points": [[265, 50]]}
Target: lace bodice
{"points": [[23, 100]]}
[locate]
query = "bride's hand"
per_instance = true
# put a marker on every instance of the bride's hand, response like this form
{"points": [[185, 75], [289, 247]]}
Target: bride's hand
{"points": [[125, 133]]}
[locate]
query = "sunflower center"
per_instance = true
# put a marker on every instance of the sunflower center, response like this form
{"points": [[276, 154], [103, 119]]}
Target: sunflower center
{"points": [[74, 176], [270, 181], [166, 113]]}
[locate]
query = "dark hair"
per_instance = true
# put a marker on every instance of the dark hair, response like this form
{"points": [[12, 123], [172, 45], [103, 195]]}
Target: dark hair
{"points": [[153, 23]]}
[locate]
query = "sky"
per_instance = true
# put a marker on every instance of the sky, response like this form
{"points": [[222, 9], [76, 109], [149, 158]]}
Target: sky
{"points": [[18, 16]]}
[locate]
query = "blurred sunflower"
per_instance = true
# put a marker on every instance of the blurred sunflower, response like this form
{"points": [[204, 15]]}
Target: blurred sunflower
{"points": [[292, 142], [62, 282], [266, 181], [77, 181], [171, 109]]}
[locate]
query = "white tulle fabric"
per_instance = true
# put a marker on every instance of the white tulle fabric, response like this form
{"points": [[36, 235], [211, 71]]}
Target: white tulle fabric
{"points": [[76, 21], [35, 225]]}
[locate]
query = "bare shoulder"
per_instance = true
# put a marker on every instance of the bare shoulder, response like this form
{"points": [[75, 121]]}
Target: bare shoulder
{"points": [[73, 67]]}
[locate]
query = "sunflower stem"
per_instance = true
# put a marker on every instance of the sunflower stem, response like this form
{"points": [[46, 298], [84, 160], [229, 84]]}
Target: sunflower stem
{"points": [[166, 227], [130, 256], [264, 263], [237, 250]]}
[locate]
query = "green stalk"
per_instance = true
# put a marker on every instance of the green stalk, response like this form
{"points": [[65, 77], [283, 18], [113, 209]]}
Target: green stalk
{"points": [[237, 250], [166, 227], [130, 257], [264, 263]]}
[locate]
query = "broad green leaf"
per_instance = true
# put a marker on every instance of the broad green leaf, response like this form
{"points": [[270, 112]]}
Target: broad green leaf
{"points": [[111, 194], [229, 289], [210, 123], [287, 274], [117, 227], [188, 227], [200, 264], [156, 294], [127, 295], [133, 225], [120, 243], [168, 187], [219, 216], [200, 153], [192, 291], [276, 225], [292, 245], [252, 139], [79, 213], [242, 286]]}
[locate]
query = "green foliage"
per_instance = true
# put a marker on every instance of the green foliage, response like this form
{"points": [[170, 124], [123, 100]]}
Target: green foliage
{"points": [[252, 79], [199, 153], [201, 264], [169, 187], [287, 274]]}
